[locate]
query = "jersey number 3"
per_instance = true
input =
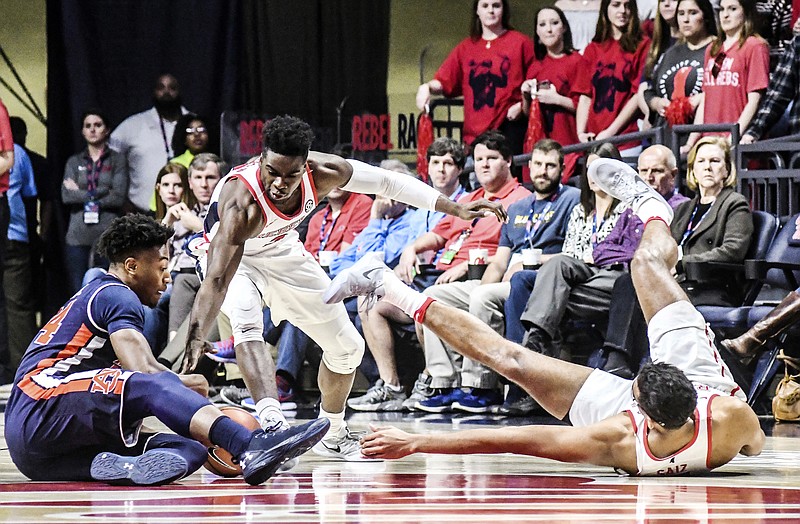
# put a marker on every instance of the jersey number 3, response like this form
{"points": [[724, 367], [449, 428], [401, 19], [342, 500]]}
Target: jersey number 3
{"points": [[49, 330]]}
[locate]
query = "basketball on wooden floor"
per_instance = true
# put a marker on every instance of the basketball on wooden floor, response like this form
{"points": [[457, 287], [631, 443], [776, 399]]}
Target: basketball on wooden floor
{"points": [[219, 461]]}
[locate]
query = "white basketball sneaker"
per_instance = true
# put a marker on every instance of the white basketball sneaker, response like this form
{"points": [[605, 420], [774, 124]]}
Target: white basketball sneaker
{"points": [[345, 446], [621, 181], [364, 278]]}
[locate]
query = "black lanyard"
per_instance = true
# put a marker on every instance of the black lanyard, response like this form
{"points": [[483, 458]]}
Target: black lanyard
{"points": [[164, 136]]}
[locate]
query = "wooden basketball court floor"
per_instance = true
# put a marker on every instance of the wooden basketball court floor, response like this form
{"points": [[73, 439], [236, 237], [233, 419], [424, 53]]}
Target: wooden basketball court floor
{"points": [[432, 488]]}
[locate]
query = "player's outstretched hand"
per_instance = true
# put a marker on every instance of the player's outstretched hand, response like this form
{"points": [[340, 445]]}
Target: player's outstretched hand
{"points": [[387, 442], [483, 208], [195, 348]]}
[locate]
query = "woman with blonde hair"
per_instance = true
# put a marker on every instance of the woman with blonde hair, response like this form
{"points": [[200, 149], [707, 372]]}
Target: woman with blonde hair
{"points": [[716, 225]]}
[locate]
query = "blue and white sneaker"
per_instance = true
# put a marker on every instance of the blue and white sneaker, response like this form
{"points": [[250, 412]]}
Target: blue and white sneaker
{"points": [[224, 352], [152, 468], [443, 402], [267, 452], [479, 401]]}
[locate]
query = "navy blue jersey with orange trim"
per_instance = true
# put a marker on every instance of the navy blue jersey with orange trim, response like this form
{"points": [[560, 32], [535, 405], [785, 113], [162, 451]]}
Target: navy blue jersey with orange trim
{"points": [[74, 344]]}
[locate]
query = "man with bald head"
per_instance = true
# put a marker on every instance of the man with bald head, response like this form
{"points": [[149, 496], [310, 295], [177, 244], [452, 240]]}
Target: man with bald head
{"points": [[658, 167], [146, 140], [626, 339]]}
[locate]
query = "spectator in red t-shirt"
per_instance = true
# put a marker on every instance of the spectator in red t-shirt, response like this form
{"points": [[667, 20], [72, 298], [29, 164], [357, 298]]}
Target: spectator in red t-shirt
{"points": [[550, 79], [736, 72], [334, 227], [610, 77], [487, 69]]}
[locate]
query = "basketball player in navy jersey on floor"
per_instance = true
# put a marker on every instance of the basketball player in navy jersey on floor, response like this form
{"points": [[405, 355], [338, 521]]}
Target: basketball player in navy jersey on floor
{"points": [[89, 378], [255, 260], [659, 423]]}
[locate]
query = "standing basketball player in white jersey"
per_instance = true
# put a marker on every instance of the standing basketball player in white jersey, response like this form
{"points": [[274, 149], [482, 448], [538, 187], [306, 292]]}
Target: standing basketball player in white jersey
{"points": [[255, 260], [660, 423]]}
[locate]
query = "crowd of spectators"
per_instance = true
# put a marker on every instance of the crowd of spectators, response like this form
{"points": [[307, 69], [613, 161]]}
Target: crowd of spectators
{"points": [[678, 61]]}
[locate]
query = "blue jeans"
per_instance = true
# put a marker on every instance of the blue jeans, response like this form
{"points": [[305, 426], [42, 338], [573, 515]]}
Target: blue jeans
{"points": [[156, 320], [521, 288], [77, 262]]}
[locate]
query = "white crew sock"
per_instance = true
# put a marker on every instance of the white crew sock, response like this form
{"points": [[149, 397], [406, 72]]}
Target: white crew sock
{"points": [[337, 422], [402, 296], [270, 414], [654, 208]]}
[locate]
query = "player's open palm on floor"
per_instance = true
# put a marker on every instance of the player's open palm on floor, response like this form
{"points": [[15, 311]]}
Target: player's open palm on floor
{"points": [[387, 442]]}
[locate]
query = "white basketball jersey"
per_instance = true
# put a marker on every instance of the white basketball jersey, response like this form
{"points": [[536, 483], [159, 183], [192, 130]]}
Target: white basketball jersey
{"points": [[694, 456], [278, 227]]}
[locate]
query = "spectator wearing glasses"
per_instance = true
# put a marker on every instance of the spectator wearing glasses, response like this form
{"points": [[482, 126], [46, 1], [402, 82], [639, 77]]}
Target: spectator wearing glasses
{"points": [[736, 69], [190, 139]]}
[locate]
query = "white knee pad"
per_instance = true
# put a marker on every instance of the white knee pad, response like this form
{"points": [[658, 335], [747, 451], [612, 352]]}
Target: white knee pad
{"points": [[342, 352], [245, 310]]}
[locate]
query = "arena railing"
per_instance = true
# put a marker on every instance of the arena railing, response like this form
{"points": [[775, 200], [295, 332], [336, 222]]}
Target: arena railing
{"points": [[769, 174]]}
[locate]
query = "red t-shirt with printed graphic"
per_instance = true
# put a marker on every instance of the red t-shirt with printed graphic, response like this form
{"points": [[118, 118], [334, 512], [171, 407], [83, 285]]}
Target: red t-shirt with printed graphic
{"points": [[559, 123], [488, 74], [610, 77]]}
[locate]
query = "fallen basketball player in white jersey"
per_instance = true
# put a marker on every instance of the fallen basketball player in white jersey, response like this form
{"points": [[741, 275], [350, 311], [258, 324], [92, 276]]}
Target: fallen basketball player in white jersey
{"points": [[659, 423]]}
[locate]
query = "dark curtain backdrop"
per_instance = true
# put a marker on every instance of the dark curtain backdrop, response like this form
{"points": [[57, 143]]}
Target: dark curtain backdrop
{"points": [[300, 57], [108, 54], [304, 57]]}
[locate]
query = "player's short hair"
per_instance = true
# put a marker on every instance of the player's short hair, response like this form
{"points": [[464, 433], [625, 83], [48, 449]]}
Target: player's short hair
{"points": [[287, 135], [131, 234], [494, 140], [444, 145], [666, 395]]}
